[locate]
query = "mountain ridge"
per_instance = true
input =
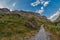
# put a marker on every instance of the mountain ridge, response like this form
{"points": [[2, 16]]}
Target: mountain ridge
{"points": [[58, 19]]}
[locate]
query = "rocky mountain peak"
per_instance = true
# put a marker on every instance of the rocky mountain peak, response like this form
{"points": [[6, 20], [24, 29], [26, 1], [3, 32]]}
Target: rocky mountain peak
{"points": [[4, 10]]}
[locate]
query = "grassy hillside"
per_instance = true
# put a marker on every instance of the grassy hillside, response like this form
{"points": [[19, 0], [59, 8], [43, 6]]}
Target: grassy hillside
{"points": [[54, 31], [13, 26], [24, 25]]}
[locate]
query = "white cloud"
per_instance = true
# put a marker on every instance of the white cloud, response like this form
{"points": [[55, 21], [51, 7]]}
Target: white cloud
{"points": [[14, 4], [52, 18], [59, 9], [35, 3], [4, 4], [42, 2], [46, 3], [41, 10], [1, 6]]}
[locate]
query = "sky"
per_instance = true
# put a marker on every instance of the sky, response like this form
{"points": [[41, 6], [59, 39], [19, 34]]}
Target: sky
{"points": [[48, 8]]}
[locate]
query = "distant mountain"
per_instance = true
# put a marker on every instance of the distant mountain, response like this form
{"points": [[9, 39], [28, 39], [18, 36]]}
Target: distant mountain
{"points": [[58, 19], [4, 10]]}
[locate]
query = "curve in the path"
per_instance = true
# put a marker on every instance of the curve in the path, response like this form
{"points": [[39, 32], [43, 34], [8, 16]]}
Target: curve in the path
{"points": [[41, 35]]}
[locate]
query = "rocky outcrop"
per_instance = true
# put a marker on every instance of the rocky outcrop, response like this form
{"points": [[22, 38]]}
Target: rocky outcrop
{"points": [[4, 10], [32, 24], [58, 19]]}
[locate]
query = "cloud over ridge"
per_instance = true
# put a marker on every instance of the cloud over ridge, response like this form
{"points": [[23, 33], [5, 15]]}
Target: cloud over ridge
{"points": [[52, 17]]}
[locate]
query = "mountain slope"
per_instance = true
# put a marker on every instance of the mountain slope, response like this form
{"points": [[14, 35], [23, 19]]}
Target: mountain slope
{"points": [[21, 25], [16, 25]]}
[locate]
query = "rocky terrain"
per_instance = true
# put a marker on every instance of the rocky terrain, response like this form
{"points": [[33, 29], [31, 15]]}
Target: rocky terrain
{"points": [[21, 25], [58, 19]]}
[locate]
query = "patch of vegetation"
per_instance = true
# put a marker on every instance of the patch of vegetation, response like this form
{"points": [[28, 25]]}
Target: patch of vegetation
{"points": [[11, 25]]}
